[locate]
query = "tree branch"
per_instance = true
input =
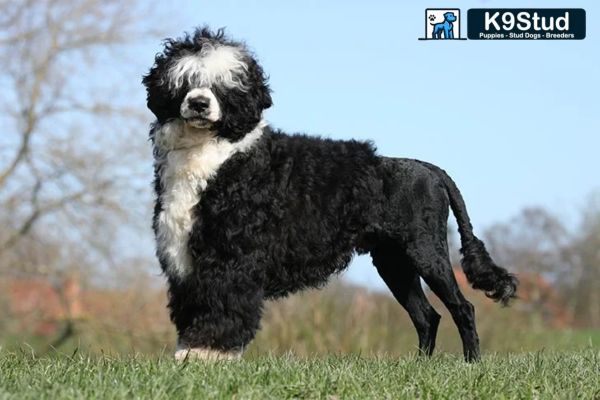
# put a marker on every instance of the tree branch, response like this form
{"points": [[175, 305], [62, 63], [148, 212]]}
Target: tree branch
{"points": [[37, 213]]}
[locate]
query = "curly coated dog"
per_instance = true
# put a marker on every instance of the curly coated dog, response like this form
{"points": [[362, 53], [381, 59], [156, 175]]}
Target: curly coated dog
{"points": [[245, 212]]}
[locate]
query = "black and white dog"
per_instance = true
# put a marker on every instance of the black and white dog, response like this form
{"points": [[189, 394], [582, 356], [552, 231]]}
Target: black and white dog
{"points": [[246, 213]]}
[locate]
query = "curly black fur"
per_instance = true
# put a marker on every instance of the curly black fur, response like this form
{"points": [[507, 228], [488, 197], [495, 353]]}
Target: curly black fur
{"points": [[291, 211], [480, 269]]}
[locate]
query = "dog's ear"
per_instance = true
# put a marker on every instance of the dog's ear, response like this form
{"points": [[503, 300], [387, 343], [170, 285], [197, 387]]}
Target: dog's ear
{"points": [[159, 99], [262, 86], [161, 103], [266, 100], [154, 100]]}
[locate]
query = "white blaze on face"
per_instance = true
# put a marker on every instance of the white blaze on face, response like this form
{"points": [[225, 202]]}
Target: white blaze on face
{"points": [[214, 64], [212, 112]]}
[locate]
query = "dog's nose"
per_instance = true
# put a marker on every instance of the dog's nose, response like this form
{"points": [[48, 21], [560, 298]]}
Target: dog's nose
{"points": [[198, 104]]}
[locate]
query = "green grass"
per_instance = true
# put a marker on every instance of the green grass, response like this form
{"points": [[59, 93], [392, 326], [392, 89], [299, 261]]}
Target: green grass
{"points": [[550, 375]]}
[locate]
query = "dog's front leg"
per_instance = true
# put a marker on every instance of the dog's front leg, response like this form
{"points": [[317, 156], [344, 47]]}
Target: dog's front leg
{"points": [[216, 312]]}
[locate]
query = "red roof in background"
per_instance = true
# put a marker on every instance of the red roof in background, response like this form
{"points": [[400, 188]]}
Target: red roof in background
{"points": [[40, 306]]}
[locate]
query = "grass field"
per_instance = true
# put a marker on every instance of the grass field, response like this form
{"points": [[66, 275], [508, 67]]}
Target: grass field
{"points": [[544, 375]]}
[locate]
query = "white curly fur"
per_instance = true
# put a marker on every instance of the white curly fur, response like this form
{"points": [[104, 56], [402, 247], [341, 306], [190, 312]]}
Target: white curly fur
{"points": [[187, 158], [211, 65]]}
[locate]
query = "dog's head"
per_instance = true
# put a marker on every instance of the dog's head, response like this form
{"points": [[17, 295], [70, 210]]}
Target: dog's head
{"points": [[450, 17], [209, 82]]}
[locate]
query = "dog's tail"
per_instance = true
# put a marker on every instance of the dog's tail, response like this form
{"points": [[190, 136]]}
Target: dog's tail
{"points": [[480, 269]]}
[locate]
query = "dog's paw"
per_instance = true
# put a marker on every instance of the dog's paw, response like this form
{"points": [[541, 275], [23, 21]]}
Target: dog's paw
{"points": [[205, 354], [432, 18]]}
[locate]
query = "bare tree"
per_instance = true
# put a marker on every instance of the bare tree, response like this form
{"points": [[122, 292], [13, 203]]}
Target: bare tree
{"points": [[582, 289], [68, 148], [530, 242], [71, 146], [537, 242]]}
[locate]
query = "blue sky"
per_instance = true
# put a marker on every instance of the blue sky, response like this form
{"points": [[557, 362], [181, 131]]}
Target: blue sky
{"points": [[515, 123]]}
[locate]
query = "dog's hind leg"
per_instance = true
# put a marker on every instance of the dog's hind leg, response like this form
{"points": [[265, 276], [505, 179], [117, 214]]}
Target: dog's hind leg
{"points": [[401, 278], [431, 260]]}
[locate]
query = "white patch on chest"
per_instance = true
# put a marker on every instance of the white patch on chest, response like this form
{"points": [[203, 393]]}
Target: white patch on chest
{"points": [[187, 159]]}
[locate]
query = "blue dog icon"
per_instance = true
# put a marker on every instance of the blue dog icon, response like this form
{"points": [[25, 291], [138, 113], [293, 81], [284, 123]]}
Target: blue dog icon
{"points": [[446, 27]]}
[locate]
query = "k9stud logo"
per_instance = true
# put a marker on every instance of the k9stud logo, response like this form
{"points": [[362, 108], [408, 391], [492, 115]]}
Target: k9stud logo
{"points": [[442, 23], [526, 23]]}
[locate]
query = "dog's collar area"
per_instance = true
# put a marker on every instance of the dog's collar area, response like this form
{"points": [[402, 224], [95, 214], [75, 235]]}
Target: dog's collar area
{"points": [[176, 134]]}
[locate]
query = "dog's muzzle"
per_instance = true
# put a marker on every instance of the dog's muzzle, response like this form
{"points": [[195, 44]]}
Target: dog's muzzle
{"points": [[200, 108]]}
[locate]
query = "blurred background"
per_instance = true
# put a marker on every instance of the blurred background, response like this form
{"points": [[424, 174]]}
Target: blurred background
{"points": [[516, 123]]}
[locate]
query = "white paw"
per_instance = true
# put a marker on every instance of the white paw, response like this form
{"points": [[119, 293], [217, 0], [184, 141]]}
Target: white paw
{"points": [[206, 354]]}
